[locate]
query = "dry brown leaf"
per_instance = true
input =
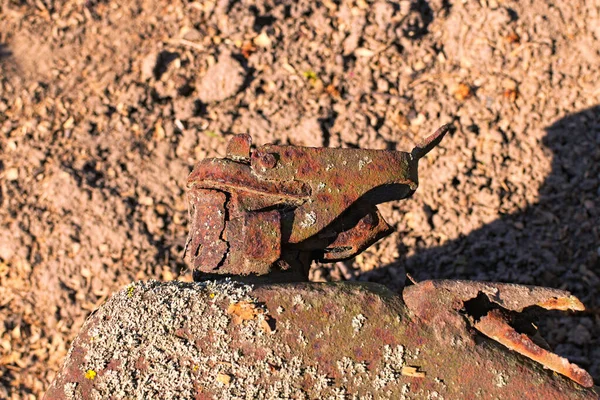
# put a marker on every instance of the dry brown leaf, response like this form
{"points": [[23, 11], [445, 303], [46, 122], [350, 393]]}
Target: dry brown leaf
{"points": [[332, 91], [243, 311], [224, 378], [512, 38], [462, 92], [407, 370]]}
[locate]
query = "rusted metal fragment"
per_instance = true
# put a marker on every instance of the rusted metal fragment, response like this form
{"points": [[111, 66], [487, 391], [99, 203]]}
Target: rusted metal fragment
{"points": [[445, 303], [513, 297], [207, 212], [353, 240], [326, 199], [255, 242], [238, 148], [338, 179], [321, 341], [495, 326], [562, 303], [235, 177], [426, 145], [262, 161]]}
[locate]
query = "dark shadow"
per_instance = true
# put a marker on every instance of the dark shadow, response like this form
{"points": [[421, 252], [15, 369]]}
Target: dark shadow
{"points": [[4, 52], [553, 243], [416, 24], [164, 59]]}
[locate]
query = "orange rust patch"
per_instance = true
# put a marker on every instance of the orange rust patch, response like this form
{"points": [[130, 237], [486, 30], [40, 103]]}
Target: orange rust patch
{"points": [[495, 327]]}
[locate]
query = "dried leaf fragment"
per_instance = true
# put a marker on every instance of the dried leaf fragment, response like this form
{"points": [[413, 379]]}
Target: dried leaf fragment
{"points": [[223, 378], [243, 311], [512, 38], [332, 91], [408, 370], [462, 92]]}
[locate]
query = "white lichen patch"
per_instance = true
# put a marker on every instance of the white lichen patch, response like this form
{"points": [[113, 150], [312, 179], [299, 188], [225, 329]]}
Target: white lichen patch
{"points": [[357, 322], [310, 218], [353, 372], [364, 161], [166, 340], [320, 381], [143, 336], [71, 393], [501, 379], [302, 339], [297, 300], [393, 360]]}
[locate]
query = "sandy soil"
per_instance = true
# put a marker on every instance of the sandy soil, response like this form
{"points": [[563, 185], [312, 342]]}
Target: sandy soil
{"points": [[105, 106]]}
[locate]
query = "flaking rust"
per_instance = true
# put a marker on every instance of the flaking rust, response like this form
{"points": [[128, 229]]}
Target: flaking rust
{"points": [[494, 310], [284, 206]]}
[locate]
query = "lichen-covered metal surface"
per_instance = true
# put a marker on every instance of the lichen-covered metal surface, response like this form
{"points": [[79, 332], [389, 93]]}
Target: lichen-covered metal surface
{"points": [[226, 340], [286, 205]]}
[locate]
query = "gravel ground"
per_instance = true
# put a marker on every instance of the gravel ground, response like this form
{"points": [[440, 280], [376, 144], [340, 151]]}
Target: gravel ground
{"points": [[105, 106]]}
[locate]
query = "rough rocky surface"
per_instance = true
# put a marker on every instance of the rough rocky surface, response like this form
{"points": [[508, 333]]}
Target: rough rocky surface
{"points": [[101, 121], [227, 340]]}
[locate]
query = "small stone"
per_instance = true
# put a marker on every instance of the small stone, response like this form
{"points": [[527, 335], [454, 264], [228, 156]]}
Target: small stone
{"points": [[148, 64], [462, 92], [221, 81], [224, 378], [146, 201], [262, 40], [419, 66], [418, 120], [12, 174], [193, 35], [364, 52]]}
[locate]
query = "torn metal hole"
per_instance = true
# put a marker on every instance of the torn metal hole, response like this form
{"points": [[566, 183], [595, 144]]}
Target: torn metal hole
{"points": [[515, 330]]}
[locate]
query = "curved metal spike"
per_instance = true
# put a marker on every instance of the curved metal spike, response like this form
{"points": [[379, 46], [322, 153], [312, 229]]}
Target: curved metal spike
{"points": [[430, 142]]}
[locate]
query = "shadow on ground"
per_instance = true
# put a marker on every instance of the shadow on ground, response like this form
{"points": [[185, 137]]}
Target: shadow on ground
{"points": [[4, 52]]}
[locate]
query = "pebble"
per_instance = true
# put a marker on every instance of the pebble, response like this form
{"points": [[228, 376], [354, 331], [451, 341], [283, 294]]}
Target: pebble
{"points": [[12, 174], [221, 81]]}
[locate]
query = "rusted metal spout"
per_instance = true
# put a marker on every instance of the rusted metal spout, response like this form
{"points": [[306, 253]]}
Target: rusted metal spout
{"points": [[287, 205]]}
